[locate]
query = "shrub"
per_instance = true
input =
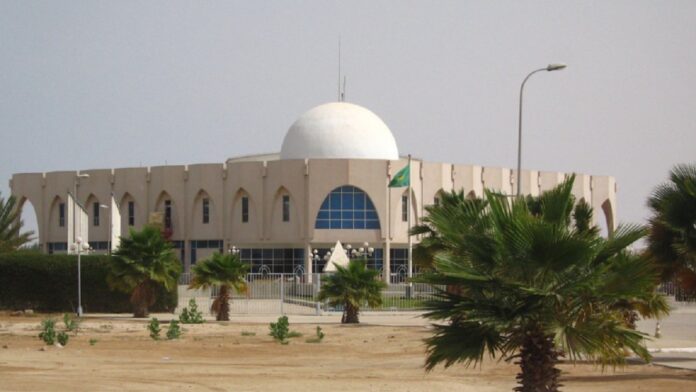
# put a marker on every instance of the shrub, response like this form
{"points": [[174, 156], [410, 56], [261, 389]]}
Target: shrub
{"points": [[318, 338], [48, 283], [174, 331], [48, 331], [72, 324], [280, 329], [92, 342], [154, 328], [62, 338], [191, 314]]}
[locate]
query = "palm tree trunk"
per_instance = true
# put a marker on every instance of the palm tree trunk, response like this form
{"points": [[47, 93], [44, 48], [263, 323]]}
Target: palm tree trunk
{"points": [[223, 312], [141, 299], [538, 359], [350, 314]]}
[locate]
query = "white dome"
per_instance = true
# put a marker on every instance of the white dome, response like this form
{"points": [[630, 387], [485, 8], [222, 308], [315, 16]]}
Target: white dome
{"points": [[339, 130]]}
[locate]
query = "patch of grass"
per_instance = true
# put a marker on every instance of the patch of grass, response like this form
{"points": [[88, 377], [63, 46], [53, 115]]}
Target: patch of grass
{"points": [[294, 334], [92, 342], [318, 338], [247, 333], [72, 324]]}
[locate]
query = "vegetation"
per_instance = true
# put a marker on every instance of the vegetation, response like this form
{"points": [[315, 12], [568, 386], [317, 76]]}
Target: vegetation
{"points": [[318, 338], [532, 286], [92, 342], [11, 224], [173, 331], [226, 271], [144, 262], [62, 338], [154, 327], [352, 287], [48, 331], [191, 314], [48, 283], [72, 324], [247, 333], [672, 238], [280, 330]]}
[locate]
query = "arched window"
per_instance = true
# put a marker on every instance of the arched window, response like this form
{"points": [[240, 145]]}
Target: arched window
{"points": [[347, 207]]}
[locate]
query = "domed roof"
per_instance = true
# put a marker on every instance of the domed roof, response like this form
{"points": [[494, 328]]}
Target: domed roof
{"points": [[339, 130]]}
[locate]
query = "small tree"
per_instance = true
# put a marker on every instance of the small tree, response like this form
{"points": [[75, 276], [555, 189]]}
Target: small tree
{"points": [[226, 271], [10, 226], [535, 287], [191, 314], [144, 261], [352, 286]]}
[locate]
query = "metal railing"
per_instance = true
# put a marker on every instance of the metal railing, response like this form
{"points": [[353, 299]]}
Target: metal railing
{"points": [[672, 289], [275, 293]]}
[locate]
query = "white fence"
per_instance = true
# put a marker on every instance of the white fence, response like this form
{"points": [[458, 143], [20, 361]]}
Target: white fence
{"points": [[297, 294]]}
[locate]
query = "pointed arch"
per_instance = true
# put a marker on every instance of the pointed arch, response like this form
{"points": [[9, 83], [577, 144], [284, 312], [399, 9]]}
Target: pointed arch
{"points": [[245, 222], [166, 207], [94, 213], [129, 213], [413, 208], [285, 220], [203, 209], [57, 214], [29, 220], [471, 195], [437, 198], [347, 207]]}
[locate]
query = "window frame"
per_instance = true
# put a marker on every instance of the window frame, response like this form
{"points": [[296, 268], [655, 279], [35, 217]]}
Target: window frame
{"points": [[286, 208], [245, 209], [206, 210], [96, 214]]}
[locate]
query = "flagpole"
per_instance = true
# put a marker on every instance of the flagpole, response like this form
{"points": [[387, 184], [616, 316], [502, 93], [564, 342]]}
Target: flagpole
{"points": [[408, 214]]}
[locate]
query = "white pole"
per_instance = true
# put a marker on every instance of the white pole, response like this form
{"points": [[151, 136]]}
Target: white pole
{"points": [[79, 281], [408, 214]]}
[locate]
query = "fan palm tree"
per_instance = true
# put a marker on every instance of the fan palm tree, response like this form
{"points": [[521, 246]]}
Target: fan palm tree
{"points": [[226, 271], [672, 238], [10, 226], [143, 262], [352, 287], [534, 288]]}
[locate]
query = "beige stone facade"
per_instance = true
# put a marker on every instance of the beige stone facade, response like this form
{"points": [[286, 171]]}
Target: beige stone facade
{"points": [[269, 207]]}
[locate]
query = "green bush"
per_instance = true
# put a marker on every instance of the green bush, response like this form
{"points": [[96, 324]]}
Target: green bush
{"points": [[48, 331], [62, 338], [154, 328], [48, 283], [72, 324], [173, 331], [280, 329], [192, 315]]}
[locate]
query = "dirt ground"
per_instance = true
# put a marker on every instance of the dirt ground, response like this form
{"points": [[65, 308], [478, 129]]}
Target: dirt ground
{"points": [[215, 356]]}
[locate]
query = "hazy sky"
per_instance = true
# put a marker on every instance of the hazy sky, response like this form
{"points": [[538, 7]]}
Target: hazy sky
{"points": [[93, 84]]}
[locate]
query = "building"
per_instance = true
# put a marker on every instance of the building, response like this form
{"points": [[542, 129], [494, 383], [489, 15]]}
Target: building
{"points": [[328, 183]]}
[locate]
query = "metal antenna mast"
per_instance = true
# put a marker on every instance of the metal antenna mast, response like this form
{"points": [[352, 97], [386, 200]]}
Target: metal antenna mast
{"points": [[339, 69]]}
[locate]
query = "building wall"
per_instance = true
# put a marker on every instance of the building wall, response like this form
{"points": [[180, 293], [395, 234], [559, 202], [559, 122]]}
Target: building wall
{"points": [[306, 182]]}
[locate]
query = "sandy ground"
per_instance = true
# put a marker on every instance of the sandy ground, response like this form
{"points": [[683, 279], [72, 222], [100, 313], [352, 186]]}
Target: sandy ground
{"points": [[215, 356]]}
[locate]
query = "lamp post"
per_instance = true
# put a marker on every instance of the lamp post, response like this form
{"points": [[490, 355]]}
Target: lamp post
{"points": [[550, 67], [78, 245]]}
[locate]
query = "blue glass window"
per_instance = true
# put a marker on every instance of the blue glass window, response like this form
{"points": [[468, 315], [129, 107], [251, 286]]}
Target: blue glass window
{"points": [[347, 207]]}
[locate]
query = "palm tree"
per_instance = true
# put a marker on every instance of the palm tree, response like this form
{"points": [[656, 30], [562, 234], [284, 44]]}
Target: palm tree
{"points": [[533, 287], [672, 238], [10, 226], [143, 262], [352, 286], [226, 271]]}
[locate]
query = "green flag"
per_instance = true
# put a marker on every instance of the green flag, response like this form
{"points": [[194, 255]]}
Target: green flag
{"points": [[402, 178]]}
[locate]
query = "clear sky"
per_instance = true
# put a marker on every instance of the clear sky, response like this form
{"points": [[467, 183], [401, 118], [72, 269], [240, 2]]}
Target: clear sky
{"points": [[95, 84]]}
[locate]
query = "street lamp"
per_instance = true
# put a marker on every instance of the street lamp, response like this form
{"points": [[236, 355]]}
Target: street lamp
{"points": [[550, 67], [78, 245], [233, 250]]}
